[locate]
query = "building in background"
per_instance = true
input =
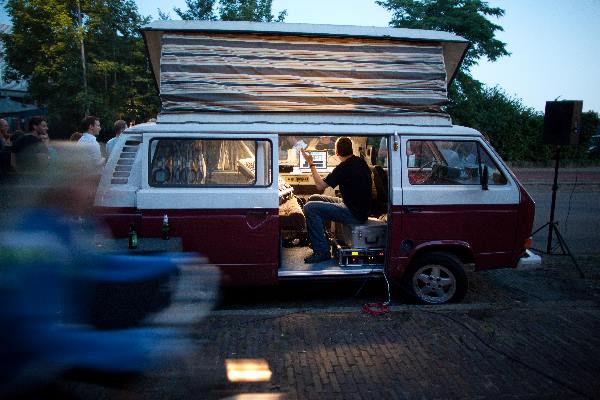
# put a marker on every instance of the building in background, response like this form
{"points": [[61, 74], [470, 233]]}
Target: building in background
{"points": [[12, 93]]}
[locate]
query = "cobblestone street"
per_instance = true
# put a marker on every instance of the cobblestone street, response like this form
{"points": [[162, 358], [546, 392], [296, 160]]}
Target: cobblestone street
{"points": [[518, 335]]}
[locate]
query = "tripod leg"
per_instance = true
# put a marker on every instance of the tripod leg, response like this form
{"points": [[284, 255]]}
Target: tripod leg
{"points": [[561, 241], [553, 204], [540, 228], [563, 245]]}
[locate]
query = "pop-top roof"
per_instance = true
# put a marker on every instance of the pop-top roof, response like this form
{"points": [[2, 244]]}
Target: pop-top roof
{"points": [[276, 67]]}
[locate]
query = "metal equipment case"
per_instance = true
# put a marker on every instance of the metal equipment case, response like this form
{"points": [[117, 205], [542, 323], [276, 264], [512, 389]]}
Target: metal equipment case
{"points": [[369, 235]]}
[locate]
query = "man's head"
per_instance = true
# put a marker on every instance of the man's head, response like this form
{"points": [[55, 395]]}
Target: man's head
{"points": [[38, 126], [91, 125], [120, 126], [4, 128], [343, 147]]}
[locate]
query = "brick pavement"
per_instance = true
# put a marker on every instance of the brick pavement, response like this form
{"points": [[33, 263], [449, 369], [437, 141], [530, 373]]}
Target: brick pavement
{"points": [[505, 341], [512, 353]]}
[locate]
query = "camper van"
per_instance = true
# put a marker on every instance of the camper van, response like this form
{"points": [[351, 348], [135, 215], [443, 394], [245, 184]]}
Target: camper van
{"points": [[223, 159]]}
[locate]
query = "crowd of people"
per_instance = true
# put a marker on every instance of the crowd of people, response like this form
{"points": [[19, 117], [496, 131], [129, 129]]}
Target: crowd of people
{"points": [[31, 152]]}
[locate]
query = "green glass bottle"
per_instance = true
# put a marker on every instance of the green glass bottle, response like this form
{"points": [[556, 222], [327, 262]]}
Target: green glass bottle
{"points": [[133, 237], [166, 229]]}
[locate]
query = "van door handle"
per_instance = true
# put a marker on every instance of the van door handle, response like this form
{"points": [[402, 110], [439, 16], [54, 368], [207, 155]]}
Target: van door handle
{"points": [[409, 210]]}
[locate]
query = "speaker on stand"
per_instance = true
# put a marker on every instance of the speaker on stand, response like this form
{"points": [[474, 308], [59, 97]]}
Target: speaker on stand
{"points": [[562, 126]]}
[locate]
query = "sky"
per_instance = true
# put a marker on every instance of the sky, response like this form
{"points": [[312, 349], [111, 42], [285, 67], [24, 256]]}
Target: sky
{"points": [[554, 44]]}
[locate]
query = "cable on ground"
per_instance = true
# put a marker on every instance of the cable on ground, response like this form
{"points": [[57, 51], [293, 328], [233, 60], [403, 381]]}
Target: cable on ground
{"points": [[514, 359]]}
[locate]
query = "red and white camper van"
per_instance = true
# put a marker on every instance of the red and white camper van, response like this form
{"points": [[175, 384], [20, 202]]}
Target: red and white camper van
{"points": [[223, 161]]}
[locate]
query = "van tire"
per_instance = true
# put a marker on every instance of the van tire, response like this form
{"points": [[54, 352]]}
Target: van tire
{"points": [[435, 278]]}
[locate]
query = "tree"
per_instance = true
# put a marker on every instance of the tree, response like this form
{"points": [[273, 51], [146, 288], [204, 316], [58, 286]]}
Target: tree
{"points": [[230, 10], [45, 48], [467, 18], [197, 10], [514, 129]]}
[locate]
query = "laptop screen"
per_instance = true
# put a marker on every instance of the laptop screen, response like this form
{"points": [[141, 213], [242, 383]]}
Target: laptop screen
{"points": [[319, 159]]}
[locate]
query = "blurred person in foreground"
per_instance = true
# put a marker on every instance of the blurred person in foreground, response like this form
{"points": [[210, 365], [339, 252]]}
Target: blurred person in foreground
{"points": [[119, 126], [90, 126], [69, 306]]}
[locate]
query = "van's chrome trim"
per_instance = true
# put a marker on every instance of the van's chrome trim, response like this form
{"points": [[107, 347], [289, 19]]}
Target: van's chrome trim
{"points": [[329, 272]]}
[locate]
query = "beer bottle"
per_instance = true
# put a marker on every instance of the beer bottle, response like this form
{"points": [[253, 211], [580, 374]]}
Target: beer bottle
{"points": [[133, 237], [166, 229]]}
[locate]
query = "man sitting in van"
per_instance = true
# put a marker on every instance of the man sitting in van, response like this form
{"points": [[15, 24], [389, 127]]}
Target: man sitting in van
{"points": [[353, 176]]}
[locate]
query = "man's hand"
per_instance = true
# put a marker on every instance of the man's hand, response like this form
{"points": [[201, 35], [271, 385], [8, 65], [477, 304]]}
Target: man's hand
{"points": [[307, 156], [319, 182]]}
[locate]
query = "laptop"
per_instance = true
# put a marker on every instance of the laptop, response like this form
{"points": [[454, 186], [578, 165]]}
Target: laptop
{"points": [[319, 159]]}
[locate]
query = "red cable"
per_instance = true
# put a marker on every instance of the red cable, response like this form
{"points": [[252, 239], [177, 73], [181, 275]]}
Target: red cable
{"points": [[375, 309]]}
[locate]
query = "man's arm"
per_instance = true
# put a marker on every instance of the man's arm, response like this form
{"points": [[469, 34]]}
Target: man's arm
{"points": [[319, 182]]}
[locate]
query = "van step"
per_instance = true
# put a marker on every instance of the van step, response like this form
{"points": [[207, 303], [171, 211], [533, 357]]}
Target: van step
{"points": [[330, 271]]}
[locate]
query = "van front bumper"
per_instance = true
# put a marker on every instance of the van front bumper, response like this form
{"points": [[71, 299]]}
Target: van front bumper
{"points": [[529, 260]]}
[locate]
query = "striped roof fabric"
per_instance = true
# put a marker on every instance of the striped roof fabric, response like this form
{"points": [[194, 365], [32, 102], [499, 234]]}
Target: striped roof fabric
{"points": [[253, 72]]}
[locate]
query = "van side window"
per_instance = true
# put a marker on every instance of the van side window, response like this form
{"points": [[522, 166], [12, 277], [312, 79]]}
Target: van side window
{"points": [[209, 162], [449, 162]]}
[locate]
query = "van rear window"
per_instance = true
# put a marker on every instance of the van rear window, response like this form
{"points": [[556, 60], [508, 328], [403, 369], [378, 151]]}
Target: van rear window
{"points": [[209, 162]]}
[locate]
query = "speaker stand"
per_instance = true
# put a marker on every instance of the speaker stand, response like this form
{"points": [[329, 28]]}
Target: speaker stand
{"points": [[553, 225]]}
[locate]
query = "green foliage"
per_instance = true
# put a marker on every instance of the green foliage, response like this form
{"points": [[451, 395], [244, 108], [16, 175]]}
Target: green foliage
{"points": [[44, 48], [197, 10], [163, 16], [513, 129], [230, 10], [590, 125], [467, 18]]}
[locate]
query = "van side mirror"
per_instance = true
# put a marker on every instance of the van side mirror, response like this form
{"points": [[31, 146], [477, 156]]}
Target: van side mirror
{"points": [[484, 178]]}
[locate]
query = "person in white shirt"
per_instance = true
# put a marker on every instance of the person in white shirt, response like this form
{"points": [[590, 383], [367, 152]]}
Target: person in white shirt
{"points": [[119, 126], [90, 127]]}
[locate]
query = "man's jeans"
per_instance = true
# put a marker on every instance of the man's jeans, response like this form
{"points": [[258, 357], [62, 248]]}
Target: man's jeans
{"points": [[319, 209]]}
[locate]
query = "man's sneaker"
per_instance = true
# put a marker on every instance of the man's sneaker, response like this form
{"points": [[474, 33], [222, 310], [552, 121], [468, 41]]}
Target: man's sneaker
{"points": [[317, 257]]}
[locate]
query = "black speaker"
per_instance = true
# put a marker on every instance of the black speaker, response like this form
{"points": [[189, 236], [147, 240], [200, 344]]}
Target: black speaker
{"points": [[562, 122]]}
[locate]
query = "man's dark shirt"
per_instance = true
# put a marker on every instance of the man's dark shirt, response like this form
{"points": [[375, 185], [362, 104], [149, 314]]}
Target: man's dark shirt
{"points": [[26, 149], [354, 179]]}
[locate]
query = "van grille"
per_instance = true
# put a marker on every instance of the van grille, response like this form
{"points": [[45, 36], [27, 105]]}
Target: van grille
{"points": [[122, 170]]}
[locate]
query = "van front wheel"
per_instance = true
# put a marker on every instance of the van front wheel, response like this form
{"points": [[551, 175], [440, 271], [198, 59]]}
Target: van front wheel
{"points": [[436, 278]]}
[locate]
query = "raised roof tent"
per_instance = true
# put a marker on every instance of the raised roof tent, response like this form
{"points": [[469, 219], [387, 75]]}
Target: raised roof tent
{"points": [[208, 66]]}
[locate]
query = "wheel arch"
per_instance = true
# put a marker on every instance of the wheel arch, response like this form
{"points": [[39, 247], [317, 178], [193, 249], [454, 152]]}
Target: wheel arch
{"points": [[460, 250]]}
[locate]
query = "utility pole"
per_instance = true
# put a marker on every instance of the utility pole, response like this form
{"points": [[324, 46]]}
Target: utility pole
{"points": [[82, 46]]}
